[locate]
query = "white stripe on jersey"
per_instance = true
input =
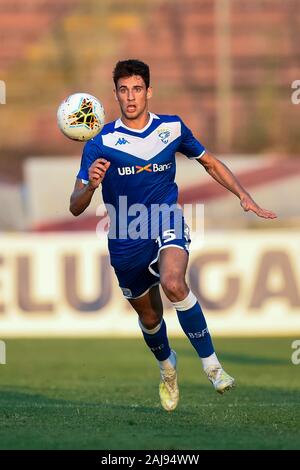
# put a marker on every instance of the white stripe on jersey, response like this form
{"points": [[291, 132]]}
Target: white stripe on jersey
{"points": [[144, 148]]}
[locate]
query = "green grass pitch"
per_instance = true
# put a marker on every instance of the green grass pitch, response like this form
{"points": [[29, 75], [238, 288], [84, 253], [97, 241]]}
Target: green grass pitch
{"points": [[103, 394]]}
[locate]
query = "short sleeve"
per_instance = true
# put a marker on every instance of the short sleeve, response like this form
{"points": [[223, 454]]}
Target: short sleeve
{"points": [[91, 152], [189, 145]]}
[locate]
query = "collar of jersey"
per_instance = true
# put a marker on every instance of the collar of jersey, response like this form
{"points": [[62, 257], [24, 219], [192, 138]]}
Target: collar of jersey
{"points": [[119, 123]]}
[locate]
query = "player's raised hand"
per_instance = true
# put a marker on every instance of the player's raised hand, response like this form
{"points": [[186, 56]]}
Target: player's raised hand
{"points": [[248, 204], [97, 172]]}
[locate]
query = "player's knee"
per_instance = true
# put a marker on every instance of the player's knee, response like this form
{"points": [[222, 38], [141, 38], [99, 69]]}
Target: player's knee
{"points": [[150, 321], [174, 287]]}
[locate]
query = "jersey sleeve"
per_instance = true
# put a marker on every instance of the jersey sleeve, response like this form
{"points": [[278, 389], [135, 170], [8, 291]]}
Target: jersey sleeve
{"points": [[91, 152], [189, 145]]}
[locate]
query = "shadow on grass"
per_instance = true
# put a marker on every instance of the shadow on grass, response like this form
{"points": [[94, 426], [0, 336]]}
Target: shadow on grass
{"points": [[191, 393], [12, 399], [239, 358], [248, 360]]}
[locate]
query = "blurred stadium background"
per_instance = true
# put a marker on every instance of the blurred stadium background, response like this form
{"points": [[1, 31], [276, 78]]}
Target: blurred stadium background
{"points": [[226, 67]]}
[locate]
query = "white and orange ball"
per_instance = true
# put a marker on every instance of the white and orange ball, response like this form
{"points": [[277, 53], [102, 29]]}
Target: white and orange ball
{"points": [[80, 116]]}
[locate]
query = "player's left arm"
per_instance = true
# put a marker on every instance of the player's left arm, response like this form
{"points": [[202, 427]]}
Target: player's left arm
{"points": [[222, 174]]}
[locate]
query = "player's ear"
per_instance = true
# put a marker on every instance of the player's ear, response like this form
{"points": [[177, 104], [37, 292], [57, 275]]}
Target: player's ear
{"points": [[149, 93], [115, 94]]}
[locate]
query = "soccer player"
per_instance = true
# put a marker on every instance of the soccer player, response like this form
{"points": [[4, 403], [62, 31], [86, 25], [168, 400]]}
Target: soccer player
{"points": [[134, 160]]}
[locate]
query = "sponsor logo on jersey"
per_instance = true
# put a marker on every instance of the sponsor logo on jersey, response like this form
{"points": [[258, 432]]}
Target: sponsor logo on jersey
{"points": [[139, 168], [164, 135], [122, 141], [150, 168]]}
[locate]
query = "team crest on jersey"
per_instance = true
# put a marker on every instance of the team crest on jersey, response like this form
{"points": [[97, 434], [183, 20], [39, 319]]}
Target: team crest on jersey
{"points": [[164, 135]]}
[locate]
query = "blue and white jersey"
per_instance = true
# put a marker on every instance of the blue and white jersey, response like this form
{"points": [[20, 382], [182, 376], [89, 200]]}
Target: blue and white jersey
{"points": [[142, 162]]}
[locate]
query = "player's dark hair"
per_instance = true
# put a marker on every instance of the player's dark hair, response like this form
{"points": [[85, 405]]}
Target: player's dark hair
{"points": [[130, 67]]}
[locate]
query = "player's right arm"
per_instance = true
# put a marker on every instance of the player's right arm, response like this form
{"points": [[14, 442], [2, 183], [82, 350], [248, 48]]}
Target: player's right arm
{"points": [[83, 192]]}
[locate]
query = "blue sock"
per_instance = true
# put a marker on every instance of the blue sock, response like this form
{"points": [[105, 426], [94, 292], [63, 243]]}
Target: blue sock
{"points": [[157, 340], [193, 323]]}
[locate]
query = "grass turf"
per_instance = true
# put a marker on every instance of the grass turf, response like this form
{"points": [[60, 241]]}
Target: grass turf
{"points": [[103, 394]]}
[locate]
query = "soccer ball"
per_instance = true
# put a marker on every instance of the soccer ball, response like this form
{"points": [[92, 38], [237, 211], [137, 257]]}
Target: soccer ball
{"points": [[80, 116]]}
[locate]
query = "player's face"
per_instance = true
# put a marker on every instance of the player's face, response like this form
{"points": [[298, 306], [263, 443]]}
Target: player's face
{"points": [[133, 96]]}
